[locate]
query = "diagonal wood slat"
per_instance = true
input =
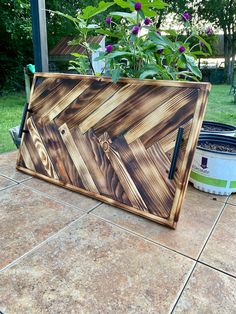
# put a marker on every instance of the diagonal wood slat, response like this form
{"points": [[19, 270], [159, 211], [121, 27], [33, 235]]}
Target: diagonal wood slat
{"points": [[114, 141]]}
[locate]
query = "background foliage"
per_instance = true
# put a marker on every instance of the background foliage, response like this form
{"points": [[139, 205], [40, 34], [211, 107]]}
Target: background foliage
{"points": [[16, 41]]}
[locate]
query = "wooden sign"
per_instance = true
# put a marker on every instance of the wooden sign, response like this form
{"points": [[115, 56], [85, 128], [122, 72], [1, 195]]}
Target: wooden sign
{"points": [[129, 144]]}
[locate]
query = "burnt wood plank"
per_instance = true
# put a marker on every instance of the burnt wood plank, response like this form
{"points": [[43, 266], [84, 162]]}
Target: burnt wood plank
{"points": [[57, 152], [155, 176], [107, 107], [31, 150], [125, 179], [45, 98], [105, 94], [159, 114], [78, 161], [26, 157], [179, 116], [80, 103], [99, 166], [42, 151], [63, 102], [141, 178], [146, 99]]}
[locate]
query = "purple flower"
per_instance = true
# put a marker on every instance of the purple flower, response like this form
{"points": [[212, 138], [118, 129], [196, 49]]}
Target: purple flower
{"points": [[135, 30], [138, 6], [160, 50], [186, 16], [209, 30], [108, 20], [109, 48], [181, 49], [158, 33], [201, 43], [147, 21]]}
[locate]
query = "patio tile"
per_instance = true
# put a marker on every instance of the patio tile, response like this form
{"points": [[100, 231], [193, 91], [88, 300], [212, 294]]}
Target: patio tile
{"points": [[195, 193], [27, 219], [232, 199], [8, 167], [208, 292], [196, 220], [220, 250], [5, 183], [62, 194], [94, 267]]}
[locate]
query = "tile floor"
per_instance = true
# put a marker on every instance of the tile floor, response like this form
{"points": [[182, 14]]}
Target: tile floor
{"points": [[62, 252]]}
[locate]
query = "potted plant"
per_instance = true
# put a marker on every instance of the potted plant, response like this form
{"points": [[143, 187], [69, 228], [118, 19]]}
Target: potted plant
{"points": [[135, 47], [214, 165]]}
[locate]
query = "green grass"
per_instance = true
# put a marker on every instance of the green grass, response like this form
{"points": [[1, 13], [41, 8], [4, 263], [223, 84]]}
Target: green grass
{"points": [[11, 108], [220, 108]]}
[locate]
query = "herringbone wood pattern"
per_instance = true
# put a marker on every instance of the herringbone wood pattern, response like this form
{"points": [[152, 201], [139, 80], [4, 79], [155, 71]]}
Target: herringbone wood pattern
{"points": [[114, 141]]}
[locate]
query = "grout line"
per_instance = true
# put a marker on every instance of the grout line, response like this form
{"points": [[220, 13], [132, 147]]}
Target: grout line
{"points": [[58, 201], [143, 237], [90, 210], [14, 180], [184, 286], [211, 231], [217, 269], [7, 187], [35, 248]]}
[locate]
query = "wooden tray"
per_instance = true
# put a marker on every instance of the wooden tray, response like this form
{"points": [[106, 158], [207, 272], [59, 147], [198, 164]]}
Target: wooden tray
{"points": [[115, 141]]}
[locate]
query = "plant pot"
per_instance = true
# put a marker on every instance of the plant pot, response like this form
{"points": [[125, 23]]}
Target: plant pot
{"points": [[214, 171], [210, 127]]}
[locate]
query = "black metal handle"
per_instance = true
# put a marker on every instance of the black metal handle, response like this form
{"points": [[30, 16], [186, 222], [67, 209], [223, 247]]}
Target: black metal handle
{"points": [[176, 153], [21, 129]]}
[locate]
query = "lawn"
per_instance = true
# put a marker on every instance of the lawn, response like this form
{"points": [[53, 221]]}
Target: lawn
{"points": [[220, 108], [11, 108]]}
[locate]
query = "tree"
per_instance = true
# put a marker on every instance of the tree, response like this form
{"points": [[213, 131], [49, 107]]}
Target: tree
{"points": [[222, 14]]}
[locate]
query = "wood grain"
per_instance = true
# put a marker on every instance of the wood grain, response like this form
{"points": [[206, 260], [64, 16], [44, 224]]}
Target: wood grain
{"points": [[114, 141]]}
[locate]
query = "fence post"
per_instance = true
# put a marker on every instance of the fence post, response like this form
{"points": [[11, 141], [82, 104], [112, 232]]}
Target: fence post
{"points": [[39, 29]]}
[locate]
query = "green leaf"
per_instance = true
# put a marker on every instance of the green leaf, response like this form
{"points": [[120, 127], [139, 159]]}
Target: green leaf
{"points": [[92, 26], [101, 56], [205, 43], [77, 55], [123, 14], [108, 33], [91, 11], [162, 41], [148, 73], [67, 16], [119, 54], [192, 67], [124, 4], [116, 75], [94, 46]]}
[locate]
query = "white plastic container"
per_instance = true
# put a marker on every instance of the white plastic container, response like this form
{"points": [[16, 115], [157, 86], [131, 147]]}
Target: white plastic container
{"points": [[214, 171]]}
